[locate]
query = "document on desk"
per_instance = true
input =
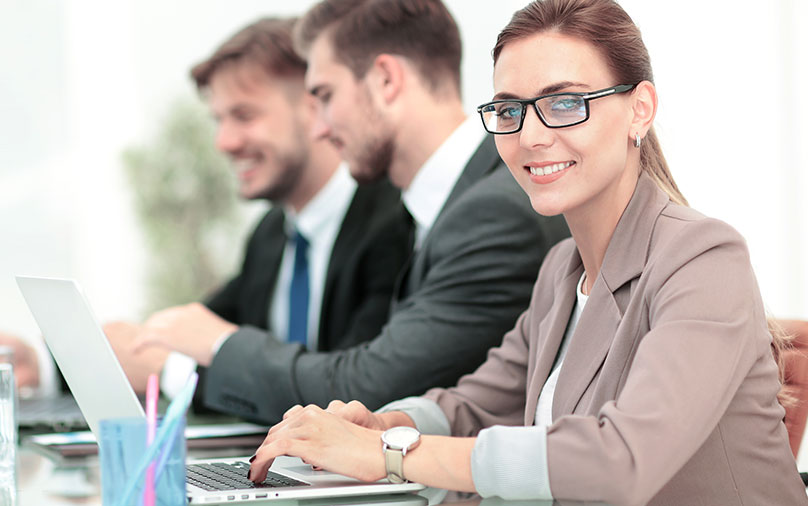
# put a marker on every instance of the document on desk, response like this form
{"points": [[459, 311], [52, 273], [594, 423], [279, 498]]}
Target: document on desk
{"points": [[232, 435]]}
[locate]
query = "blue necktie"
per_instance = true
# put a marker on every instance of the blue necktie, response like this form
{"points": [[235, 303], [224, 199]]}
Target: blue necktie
{"points": [[299, 293]]}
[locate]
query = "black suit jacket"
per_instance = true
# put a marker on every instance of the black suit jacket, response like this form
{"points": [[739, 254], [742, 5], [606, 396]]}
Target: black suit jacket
{"points": [[460, 293], [370, 249]]}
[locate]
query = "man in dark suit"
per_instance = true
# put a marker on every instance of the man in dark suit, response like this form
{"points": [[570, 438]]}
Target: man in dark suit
{"points": [[387, 79], [355, 239]]}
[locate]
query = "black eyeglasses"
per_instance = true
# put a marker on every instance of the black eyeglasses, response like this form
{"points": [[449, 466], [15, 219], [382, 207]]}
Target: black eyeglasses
{"points": [[557, 110]]}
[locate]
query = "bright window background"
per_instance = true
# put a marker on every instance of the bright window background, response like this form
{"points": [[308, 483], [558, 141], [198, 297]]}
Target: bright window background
{"points": [[81, 80]]}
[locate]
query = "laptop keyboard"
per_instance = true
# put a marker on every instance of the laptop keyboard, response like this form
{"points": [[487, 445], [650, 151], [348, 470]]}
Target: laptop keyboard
{"points": [[57, 413], [233, 476]]}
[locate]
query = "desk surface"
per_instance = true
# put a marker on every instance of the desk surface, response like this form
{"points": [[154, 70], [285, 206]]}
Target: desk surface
{"points": [[42, 481]]}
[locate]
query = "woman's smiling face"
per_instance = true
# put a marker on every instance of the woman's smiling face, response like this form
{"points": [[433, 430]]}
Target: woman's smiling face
{"points": [[572, 169]]}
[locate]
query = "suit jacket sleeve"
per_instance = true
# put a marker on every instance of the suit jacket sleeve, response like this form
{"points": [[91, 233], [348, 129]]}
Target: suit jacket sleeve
{"points": [[495, 393], [478, 281]]}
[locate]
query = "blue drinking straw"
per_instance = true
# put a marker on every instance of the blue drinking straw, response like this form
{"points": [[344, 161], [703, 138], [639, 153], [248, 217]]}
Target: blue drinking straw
{"points": [[169, 427]]}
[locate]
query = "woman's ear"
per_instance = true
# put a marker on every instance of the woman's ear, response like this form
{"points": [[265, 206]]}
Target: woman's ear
{"points": [[644, 107], [386, 78]]}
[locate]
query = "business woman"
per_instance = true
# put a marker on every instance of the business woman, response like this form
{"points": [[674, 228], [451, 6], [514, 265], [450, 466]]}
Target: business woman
{"points": [[642, 372]]}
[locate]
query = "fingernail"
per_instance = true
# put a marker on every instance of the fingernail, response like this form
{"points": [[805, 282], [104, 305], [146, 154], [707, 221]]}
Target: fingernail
{"points": [[249, 471], [252, 458]]}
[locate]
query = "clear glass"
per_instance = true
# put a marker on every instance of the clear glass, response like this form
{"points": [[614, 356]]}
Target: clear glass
{"points": [[8, 435]]}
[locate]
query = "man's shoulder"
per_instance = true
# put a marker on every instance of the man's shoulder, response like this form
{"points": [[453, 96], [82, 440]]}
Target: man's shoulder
{"points": [[494, 189], [270, 223], [496, 204], [375, 213]]}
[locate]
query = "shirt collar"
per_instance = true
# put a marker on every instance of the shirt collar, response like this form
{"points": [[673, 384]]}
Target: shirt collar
{"points": [[435, 179], [319, 211]]}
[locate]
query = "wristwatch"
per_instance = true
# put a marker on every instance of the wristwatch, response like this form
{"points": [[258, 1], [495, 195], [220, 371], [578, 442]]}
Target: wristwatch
{"points": [[396, 442]]}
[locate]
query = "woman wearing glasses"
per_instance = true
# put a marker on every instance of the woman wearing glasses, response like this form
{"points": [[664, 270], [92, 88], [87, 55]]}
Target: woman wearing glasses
{"points": [[642, 372]]}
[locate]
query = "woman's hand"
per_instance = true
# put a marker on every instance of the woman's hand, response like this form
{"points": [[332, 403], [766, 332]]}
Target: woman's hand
{"points": [[325, 440], [357, 413]]}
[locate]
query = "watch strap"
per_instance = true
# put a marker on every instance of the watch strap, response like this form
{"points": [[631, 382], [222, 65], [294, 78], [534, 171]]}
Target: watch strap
{"points": [[394, 464]]}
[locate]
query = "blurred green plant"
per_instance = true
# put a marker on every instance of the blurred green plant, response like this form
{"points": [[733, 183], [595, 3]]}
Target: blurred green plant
{"points": [[186, 202]]}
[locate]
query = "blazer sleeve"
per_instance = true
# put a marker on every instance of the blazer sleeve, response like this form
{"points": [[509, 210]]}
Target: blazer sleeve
{"points": [[494, 394], [707, 331], [491, 246]]}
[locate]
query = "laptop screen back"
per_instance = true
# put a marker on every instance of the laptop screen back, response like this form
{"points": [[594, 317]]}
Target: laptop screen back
{"points": [[80, 348]]}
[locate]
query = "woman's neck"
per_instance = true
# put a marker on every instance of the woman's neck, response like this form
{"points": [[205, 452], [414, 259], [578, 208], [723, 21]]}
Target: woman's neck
{"points": [[592, 226]]}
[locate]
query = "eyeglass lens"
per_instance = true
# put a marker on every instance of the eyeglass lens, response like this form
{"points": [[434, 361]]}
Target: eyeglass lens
{"points": [[557, 111]]}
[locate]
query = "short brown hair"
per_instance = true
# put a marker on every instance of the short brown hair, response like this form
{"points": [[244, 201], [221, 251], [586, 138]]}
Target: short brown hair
{"points": [[423, 31], [266, 43]]}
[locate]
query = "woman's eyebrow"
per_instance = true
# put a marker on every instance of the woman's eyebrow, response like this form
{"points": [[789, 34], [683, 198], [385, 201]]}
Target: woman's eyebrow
{"points": [[552, 88]]}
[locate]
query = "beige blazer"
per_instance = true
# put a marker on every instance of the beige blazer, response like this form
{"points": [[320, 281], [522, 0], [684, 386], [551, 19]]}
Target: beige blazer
{"points": [[667, 393]]}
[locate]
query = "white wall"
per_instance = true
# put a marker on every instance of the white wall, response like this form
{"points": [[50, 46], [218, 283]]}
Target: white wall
{"points": [[83, 79]]}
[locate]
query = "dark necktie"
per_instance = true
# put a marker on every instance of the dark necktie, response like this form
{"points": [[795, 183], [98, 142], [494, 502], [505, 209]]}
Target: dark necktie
{"points": [[299, 293]]}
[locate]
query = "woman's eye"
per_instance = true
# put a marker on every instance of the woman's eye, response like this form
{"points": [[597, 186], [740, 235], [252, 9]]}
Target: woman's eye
{"points": [[509, 112], [566, 104]]}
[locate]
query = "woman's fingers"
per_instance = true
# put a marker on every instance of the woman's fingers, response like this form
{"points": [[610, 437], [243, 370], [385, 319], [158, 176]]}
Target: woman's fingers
{"points": [[291, 411], [335, 406]]}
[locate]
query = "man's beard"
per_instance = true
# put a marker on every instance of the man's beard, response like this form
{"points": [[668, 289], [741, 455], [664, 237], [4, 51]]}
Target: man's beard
{"points": [[373, 163], [288, 180]]}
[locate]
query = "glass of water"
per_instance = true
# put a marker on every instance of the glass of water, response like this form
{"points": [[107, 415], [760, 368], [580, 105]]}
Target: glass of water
{"points": [[8, 435]]}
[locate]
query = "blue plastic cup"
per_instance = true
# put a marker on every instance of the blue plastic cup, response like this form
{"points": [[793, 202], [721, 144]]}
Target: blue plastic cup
{"points": [[121, 447]]}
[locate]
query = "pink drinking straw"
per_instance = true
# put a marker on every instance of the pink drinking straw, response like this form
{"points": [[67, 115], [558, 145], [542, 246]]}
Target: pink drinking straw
{"points": [[152, 392]]}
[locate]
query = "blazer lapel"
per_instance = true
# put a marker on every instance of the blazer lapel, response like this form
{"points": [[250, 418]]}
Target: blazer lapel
{"points": [[349, 235], [551, 330], [401, 288], [261, 278], [598, 325], [588, 347], [484, 160]]}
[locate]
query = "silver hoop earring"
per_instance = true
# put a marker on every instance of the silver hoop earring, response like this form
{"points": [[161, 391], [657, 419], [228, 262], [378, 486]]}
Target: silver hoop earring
{"points": [[637, 140]]}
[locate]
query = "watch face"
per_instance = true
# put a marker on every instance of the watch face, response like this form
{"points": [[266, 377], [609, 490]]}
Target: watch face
{"points": [[399, 438]]}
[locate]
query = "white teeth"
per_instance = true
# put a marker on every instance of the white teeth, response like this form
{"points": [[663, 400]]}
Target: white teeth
{"points": [[549, 169], [244, 164]]}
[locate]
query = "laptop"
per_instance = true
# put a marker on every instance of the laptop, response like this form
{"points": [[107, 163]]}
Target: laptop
{"points": [[75, 339], [60, 413]]}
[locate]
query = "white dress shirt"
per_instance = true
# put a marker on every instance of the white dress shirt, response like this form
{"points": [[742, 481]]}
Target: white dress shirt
{"points": [[544, 408], [436, 178], [319, 222]]}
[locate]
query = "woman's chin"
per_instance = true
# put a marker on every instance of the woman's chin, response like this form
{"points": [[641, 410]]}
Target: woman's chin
{"points": [[546, 207]]}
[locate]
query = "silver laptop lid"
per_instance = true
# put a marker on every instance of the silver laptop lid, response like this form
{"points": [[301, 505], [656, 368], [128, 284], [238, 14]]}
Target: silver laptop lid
{"points": [[80, 348]]}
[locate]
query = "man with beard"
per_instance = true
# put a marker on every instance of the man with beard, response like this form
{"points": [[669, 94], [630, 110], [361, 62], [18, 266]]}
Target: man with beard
{"points": [[386, 75], [320, 267]]}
